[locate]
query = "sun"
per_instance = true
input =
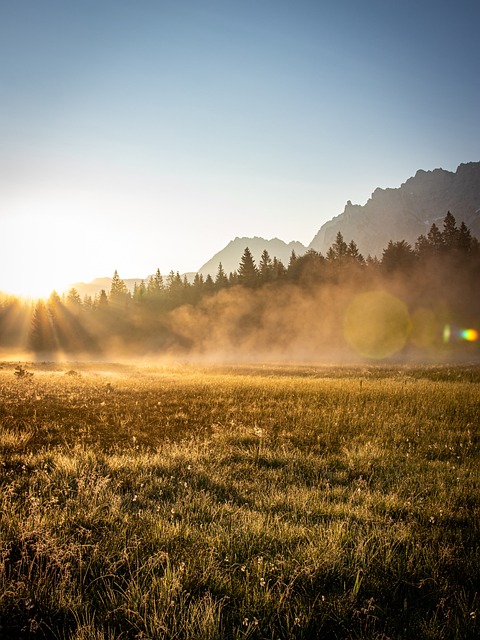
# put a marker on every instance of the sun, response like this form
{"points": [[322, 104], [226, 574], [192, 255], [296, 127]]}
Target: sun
{"points": [[43, 253], [36, 283]]}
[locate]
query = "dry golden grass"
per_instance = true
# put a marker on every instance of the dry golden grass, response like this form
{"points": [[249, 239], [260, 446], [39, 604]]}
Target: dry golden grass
{"points": [[239, 502]]}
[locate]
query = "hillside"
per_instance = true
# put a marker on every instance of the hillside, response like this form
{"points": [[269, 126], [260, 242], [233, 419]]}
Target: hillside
{"points": [[230, 256], [408, 211]]}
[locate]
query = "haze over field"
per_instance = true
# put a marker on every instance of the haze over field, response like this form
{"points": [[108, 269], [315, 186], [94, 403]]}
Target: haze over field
{"points": [[145, 135]]}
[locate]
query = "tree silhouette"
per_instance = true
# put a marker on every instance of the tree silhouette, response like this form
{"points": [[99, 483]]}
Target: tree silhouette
{"points": [[42, 337], [265, 267], [221, 279], [247, 271], [119, 293], [398, 256]]}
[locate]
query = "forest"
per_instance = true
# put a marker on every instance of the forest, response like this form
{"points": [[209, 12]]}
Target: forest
{"points": [[286, 311]]}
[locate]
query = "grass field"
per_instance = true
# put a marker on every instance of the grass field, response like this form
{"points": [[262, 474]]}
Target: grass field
{"points": [[239, 502]]}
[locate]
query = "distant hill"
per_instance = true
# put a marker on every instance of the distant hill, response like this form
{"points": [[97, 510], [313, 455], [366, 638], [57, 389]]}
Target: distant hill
{"points": [[230, 256], [407, 212], [95, 286]]}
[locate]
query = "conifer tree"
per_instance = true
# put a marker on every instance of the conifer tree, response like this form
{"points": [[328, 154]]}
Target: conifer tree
{"points": [[435, 239], [139, 292], [278, 269], [338, 250], [465, 240], [209, 284], [118, 291], [101, 299], [247, 270], [450, 232], [397, 256], [42, 336], [73, 299], [354, 254], [221, 279], [265, 266]]}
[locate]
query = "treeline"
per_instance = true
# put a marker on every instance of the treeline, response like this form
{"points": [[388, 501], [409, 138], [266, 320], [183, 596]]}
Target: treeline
{"points": [[440, 274]]}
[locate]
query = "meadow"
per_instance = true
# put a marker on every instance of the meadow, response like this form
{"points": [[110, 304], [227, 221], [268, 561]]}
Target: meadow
{"points": [[195, 502]]}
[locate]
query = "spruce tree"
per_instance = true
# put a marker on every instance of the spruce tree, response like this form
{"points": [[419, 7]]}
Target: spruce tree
{"points": [[450, 232], [119, 292], [265, 266], [221, 279], [247, 270]]}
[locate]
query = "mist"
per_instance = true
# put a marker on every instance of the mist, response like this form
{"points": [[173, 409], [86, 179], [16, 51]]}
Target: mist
{"points": [[415, 305]]}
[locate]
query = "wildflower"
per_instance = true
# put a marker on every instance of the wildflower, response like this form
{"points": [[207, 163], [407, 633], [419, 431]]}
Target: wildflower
{"points": [[243, 568], [262, 582], [245, 622]]}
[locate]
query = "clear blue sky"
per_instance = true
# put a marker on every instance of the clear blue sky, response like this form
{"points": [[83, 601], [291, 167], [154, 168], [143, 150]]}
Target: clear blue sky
{"points": [[137, 135]]}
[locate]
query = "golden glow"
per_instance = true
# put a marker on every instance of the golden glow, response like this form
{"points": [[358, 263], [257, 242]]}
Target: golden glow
{"points": [[376, 324], [38, 284], [42, 252]]}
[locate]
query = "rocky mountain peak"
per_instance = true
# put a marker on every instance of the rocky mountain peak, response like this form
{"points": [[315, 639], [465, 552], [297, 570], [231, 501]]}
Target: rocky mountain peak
{"points": [[406, 212]]}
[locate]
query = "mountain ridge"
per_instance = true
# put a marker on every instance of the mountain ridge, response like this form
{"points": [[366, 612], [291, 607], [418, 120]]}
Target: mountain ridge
{"points": [[406, 212], [392, 213]]}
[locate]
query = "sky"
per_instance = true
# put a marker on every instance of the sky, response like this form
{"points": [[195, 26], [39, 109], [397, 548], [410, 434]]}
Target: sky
{"points": [[148, 134]]}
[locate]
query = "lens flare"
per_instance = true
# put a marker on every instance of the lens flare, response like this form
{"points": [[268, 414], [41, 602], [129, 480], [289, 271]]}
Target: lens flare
{"points": [[471, 335], [377, 324], [447, 333]]}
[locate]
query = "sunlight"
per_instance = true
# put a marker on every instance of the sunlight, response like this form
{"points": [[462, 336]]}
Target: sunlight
{"points": [[33, 285], [45, 251]]}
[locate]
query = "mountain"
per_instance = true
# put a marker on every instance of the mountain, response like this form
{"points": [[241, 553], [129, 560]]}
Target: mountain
{"points": [[401, 213], [230, 256], [407, 212]]}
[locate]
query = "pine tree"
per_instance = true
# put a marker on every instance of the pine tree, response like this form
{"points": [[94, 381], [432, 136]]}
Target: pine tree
{"points": [[221, 279], [73, 299], [209, 284], [42, 335], [158, 284], [354, 253], [265, 266], [278, 269], [465, 240], [338, 250], [119, 293], [450, 233], [398, 256], [435, 239], [139, 292], [247, 270]]}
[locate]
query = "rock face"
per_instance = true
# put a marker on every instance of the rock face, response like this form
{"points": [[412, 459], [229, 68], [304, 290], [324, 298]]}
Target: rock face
{"points": [[407, 212], [230, 256]]}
